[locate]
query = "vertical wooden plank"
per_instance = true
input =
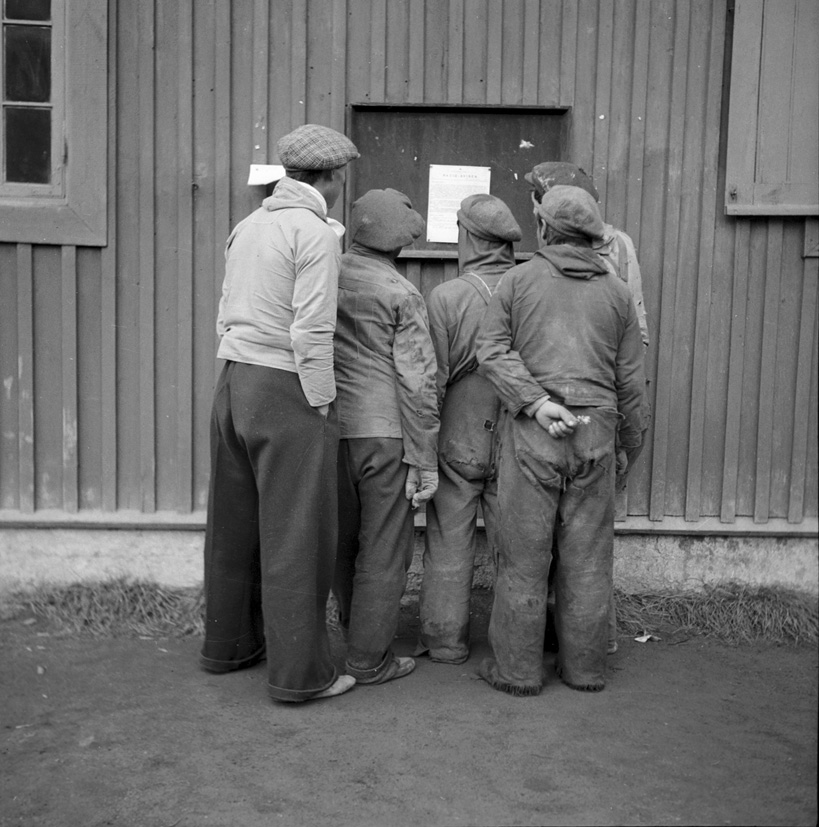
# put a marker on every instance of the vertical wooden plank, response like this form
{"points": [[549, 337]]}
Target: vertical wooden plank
{"points": [[338, 78], [147, 256], [585, 86], [707, 205], [417, 50], [550, 25], [396, 69], [636, 143], [108, 291], [184, 263], [298, 62], [618, 115], [475, 56], [531, 52], [602, 99], [25, 377], [766, 395], [804, 376], [259, 94], [568, 49], [730, 464], [494, 23], [663, 404], [436, 51], [378, 51], [222, 138], [70, 366], [455, 53]]}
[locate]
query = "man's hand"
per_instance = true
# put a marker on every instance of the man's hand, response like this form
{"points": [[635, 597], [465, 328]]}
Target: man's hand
{"points": [[323, 410], [556, 420], [421, 485]]}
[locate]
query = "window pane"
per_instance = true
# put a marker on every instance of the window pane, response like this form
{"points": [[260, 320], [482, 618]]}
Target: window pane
{"points": [[28, 145], [28, 9], [28, 63]]}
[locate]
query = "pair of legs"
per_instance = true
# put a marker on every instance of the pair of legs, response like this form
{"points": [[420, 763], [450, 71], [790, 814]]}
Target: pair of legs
{"points": [[375, 544], [271, 532], [450, 545], [553, 489]]}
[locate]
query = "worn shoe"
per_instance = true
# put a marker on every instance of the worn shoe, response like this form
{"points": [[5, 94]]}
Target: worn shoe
{"points": [[343, 683]]}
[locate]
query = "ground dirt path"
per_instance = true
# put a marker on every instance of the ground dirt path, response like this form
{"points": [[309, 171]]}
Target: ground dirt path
{"points": [[129, 732]]}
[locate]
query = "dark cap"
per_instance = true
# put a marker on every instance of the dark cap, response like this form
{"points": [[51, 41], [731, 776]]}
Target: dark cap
{"points": [[489, 218], [312, 146], [571, 211], [384, 220], [558, 173]]}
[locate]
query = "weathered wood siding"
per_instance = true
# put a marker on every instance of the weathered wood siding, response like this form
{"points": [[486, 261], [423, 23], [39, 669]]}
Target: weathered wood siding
{"points": [[107, 355]]}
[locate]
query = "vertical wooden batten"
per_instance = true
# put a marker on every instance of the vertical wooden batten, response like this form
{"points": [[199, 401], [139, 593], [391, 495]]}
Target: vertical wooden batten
{"points": [[25, 378], [108, 291], [70, 367], [223, 146], [261, 79], [147, 256], [184, 262]]}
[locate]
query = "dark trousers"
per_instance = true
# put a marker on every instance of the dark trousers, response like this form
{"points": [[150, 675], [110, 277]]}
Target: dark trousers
{"points": [[565, 489], [450, 545], [271, 531], [375, 545]]}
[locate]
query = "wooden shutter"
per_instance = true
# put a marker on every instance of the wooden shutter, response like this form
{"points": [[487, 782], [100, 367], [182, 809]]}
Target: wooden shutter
{"points": [[773, 124]]}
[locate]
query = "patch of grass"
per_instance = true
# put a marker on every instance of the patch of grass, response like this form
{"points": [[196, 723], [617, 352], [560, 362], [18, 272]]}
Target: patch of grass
{"points": [[731, 612], [116, 608]]}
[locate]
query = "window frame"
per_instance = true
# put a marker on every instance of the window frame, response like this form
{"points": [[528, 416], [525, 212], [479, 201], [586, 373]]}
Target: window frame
{"points": [[73, 209]]}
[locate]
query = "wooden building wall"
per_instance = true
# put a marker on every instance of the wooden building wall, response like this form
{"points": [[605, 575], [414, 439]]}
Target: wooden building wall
{"points": [[107, 355]]}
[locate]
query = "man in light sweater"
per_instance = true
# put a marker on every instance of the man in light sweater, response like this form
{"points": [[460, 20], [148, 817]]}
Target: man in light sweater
{"points": [[271, 528]]}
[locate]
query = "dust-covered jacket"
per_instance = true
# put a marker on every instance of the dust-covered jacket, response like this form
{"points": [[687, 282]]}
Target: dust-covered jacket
{"points": [[384, 359], [563, 324]]}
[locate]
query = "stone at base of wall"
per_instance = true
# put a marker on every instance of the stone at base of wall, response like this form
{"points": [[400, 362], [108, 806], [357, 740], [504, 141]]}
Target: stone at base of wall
{"points": [[642, 562]]}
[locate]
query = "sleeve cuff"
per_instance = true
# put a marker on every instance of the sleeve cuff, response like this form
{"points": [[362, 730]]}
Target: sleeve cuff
{"points": [[532, 408]]}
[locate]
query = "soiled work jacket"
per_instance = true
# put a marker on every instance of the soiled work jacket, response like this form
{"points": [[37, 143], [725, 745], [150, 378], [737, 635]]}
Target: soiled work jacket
{"points": [[384, 359], [562, 324]]}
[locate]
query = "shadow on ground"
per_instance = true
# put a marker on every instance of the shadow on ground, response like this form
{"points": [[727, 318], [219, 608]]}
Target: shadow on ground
{"points": [[130, 732]]}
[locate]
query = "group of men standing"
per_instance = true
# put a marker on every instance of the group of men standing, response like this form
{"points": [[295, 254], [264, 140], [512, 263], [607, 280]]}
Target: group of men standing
{"points": [[346, 402]]}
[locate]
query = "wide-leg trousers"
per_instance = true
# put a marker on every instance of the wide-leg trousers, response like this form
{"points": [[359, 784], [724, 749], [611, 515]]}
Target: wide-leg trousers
{"points": [[565, 487], [375, 545], [271, 531], [450, 546]]}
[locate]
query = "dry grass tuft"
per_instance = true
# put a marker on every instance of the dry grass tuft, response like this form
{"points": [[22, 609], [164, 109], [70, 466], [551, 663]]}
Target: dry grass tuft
{"points": [[730, 612], [117, 608]]}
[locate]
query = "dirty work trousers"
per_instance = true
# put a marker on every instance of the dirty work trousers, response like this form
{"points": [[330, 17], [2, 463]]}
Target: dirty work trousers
{"points": [[375, 545], [271, 530], [561, 487], [450, 545]]}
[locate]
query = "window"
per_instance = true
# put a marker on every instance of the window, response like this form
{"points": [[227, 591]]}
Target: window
{"points": [[53, 123], [772, 165]]}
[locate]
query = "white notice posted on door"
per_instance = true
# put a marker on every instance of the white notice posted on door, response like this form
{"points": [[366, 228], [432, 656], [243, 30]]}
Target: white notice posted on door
{"points": [[448, 186]]}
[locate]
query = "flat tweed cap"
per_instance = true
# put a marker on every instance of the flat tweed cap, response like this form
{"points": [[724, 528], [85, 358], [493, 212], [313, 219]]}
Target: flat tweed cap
{"points": [[312, 146], [572, 212], [384, 220], [489, 218], [557, 173]]}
